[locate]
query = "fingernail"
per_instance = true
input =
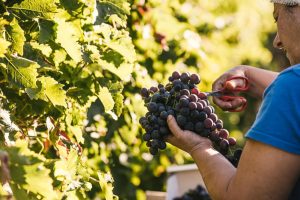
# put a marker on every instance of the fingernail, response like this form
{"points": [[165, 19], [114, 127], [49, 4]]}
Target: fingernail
{"points": [[169, 117]]}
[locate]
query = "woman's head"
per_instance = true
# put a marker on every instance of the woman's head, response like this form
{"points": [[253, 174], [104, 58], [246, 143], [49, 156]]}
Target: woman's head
{"points": [[287, 15]]}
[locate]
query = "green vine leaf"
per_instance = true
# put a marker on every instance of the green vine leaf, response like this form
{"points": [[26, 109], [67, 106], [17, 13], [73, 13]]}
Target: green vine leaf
{"points": [[17, 36], [48, 90], [67, 36], [106, 99], [36, 8], [47, 30], [35, 175], [22, 71], [3, 47]]}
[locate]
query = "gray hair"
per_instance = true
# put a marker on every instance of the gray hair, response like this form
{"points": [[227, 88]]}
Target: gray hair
{"points": [[287, 2]]}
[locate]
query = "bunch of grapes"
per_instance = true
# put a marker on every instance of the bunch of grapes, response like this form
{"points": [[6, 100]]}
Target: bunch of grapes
{"points": [[198, 193], [191, 109]]}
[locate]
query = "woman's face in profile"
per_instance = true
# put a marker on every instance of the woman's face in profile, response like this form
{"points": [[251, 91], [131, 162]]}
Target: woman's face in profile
{"points": [[288, 31]]}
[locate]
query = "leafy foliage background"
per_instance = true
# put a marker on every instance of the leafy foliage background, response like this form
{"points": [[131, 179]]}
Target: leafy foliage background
{"points": [[71, 71]]}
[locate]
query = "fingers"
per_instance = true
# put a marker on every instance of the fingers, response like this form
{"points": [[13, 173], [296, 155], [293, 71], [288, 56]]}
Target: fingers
{"points": [[232, 84], [229, 105], [173, 126]]}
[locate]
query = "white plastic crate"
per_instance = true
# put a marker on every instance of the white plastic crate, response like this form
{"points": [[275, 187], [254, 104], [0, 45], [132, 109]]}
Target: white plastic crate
{"points": [[182, 178]]}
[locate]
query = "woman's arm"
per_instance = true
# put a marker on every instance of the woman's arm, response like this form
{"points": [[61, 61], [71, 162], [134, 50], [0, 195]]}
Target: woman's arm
{"points": [[264, 172]]}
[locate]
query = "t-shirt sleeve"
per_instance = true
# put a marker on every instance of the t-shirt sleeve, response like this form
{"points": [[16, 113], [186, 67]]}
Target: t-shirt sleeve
{"points": [[278, 120]]}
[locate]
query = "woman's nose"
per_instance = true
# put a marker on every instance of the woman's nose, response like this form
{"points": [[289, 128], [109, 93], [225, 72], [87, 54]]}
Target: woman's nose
{"points": [[277, 43]]}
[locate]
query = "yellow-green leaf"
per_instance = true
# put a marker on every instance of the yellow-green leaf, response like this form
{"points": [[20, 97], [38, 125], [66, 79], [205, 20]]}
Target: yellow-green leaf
{"points": [[48, 90], [3, 47], [22, 71], [106, 99], [67, 37], [38, 180], [17, 36]]}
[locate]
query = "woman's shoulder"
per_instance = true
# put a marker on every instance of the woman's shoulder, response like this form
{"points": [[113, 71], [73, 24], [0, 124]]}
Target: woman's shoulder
{"points": [[290, 71]]}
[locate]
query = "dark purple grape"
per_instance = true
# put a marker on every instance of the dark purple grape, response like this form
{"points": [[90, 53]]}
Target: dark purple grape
{"points": [[219, 126], [162, 144], [202, 116], [152, 107], [194, 78], [214, 136], [185, 92], [177, 88], [176, 75], [185, 77], [184, 102], [185, 111], [213, 127], [148, 127], [162, 90], [161, 108], [164, 114], [192, 105], [214, 117], [153, 89], [208, 110], [146, 137], [153, 150], [208, 123], [171, 79], [160, 86], [193, 98], [144, 92], [171, 112], [204, 103], [199, 106], [224, 146], [181, 120], [195, 114], [212, 109], [155, 97], [152, 119], [232, 141], [224, 133], [142, 120]]}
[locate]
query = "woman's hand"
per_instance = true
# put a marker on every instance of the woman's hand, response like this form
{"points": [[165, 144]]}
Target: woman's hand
{"points": [[222, 83], [185, 140], [258, 79]]}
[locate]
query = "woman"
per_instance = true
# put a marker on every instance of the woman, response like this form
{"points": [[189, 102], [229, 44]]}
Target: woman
{"points": [[269, 167]]}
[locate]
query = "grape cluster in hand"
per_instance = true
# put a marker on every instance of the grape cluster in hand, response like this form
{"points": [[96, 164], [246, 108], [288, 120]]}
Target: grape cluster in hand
{"points": [[198, 193], [191, 109]]}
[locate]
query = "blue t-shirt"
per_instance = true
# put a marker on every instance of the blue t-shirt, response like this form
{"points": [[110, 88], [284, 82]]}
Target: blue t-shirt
{"points": [[278, 120]]}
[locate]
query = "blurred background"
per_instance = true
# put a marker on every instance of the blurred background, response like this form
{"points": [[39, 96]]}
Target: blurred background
{"points": [[100, 54]]}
